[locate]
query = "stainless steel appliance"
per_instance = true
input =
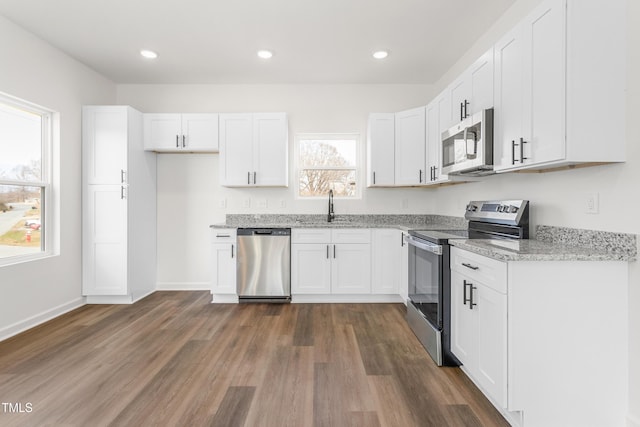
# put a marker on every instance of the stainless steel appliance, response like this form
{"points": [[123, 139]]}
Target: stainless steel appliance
{"points": [[467, 148], [429, 307], [263, 265]]}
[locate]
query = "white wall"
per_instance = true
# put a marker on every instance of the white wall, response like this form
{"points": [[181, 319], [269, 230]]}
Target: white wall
{"points": [[188, 189], [35, 71]]}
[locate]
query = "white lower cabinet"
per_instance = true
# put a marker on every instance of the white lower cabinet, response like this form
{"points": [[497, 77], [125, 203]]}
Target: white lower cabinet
{"points": [[223, 275], [545, 341], [387, 267], [325, 261], [479, 333]]}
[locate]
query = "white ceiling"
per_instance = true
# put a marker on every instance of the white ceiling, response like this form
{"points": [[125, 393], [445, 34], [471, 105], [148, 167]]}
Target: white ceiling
{"points": [[213, 41]]}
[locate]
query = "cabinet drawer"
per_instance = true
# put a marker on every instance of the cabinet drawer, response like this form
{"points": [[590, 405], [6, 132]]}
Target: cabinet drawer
{"points": [[489, 271], [310, 235], [223, 235], [351, 235]]}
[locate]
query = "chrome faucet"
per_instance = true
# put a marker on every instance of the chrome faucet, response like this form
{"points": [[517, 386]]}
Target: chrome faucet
{"points": [[331, 215]]}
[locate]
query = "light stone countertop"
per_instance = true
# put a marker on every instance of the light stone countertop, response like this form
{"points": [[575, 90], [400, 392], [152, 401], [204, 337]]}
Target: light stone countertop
{"points": [[537, 250]]}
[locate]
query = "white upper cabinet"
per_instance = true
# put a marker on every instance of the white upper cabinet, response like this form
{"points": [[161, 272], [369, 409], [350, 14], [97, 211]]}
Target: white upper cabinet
{"points": [[438, 108], [181, 132], [472, 91], [381, 150], [551, 106], [254, 150], [410, 147], [105, 143]]}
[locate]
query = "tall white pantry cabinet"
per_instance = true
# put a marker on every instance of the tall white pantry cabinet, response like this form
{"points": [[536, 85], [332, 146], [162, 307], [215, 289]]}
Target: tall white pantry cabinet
{"points": [[118, 207]]}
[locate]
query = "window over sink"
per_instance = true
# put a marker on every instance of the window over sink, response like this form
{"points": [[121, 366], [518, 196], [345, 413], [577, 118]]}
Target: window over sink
{"points": [[327, 162]]}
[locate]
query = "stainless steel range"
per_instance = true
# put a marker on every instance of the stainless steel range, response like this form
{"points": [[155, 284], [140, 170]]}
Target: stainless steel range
{"points": [[429, 307]]}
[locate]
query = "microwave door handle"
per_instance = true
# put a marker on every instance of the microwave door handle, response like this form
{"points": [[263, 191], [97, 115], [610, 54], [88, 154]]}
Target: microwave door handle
{"points": [[475, 143]]}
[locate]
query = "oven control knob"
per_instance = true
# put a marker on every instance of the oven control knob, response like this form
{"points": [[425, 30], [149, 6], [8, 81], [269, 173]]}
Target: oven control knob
{"points": [[472, 208], [501, 208], [513, 209]]}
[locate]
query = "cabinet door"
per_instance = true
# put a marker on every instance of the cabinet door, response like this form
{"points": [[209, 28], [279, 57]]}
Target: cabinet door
{"points": [[410, 147], [463, 328], [162, 132], [508, 99], [351, 268], [380, 149], [105, 240], [459, 92], [236, 150], [544, 88], [271, 150], [491, 358], [200, 132], [104, 139], [434, 140], [224, 268], [387, 261], [310, 269], [481, 83]]}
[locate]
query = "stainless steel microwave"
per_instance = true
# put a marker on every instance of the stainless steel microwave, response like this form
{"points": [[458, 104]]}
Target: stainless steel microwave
{"points": [[467, 148]]}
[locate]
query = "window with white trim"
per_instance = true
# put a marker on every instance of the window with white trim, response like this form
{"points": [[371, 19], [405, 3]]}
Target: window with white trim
{"points": [[25, 182], [327, 162]]}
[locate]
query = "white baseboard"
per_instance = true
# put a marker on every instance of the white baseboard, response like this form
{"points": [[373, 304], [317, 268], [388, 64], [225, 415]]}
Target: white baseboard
{"points": [[633, 421], [109, 299], [38, 319], [349, 298], [183, 286], [224, 299]]}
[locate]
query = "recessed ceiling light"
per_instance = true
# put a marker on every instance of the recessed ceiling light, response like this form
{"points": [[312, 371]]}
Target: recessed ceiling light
{"points": [[149, 54], [265, 54], [381, 54]]}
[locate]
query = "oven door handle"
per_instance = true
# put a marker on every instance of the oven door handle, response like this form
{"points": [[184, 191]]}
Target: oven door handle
{"points": [[421, 244]]}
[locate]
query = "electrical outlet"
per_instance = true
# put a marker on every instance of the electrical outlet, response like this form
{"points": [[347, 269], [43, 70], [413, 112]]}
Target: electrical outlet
{"points": [[283, 203], [222, 203], [246, 203], [592, 203], [261, 203]]}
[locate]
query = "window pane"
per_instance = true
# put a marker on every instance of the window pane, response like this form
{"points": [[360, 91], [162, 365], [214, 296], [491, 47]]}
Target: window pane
{"points": [[327, 153], [20, 220], [318, 182], [20, 144]]}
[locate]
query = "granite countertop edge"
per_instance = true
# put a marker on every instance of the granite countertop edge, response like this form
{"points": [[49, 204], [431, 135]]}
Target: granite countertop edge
{"points": [[536, 250]]}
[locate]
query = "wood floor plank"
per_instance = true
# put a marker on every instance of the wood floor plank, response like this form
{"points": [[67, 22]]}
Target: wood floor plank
{"points": [[234, 408], [174, 358]]}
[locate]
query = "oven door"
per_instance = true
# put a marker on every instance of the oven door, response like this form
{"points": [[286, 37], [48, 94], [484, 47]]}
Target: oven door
{"points": [[426, 279]]}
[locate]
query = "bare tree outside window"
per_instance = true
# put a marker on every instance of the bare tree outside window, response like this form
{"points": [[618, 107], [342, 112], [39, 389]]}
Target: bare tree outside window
{"points": [[327, 164]]}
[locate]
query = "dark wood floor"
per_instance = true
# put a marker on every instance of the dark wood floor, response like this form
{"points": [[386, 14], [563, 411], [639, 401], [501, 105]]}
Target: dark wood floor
{"points": [[174, 359]]}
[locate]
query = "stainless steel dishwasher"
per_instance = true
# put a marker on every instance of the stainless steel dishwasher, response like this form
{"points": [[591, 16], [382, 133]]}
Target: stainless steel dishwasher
{"points": [[264, 265]]}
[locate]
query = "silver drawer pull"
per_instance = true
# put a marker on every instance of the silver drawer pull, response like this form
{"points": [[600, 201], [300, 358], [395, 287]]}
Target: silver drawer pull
{"points": [[223, 235], [473, 267]]}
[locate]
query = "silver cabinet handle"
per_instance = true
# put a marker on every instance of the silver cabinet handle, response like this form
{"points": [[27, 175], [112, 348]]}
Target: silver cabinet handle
{"points": [[223, 235], [473, 267], [513, 151], [334, 251], [327, 251], [254, 177], [232, 250], [374, 178], [184, 144], [122, 194], [122, 176], [248, 178], [466, 104], [177, 141], [420, 175]]}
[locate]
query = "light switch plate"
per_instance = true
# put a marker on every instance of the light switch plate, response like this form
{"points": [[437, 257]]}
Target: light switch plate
{"points": [[246, 203]]}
